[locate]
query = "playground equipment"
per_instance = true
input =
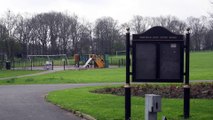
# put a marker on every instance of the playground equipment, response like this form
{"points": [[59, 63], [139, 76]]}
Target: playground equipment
{"points": [[48, 56], [77, 59], [99, 61], [48, 64], [87, 63]]}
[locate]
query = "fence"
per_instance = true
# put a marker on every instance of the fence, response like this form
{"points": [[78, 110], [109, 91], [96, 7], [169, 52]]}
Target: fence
{"points": [[39, 64], [25, 64], [118, 62]]}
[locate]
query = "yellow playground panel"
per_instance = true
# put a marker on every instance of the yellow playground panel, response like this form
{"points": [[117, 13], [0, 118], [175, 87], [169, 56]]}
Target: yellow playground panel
{"points": [[100, 62]]}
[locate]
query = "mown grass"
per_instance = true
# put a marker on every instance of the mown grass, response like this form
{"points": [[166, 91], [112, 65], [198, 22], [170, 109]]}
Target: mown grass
{"points": [[201, 68], [110, 107], [73, 76], [201, 65], [13, 73]]}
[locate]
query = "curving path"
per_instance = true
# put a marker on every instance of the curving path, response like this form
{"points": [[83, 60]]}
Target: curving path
{"points": [[26, 102]]}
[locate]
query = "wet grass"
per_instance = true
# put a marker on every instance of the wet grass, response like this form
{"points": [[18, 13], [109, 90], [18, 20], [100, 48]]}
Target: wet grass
{"points": [[201, 68], [13, 73], [111, 107], [73, 76]]}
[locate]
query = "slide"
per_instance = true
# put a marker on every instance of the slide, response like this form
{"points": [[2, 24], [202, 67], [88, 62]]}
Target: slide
{"points": [[99, 62], [88, 61]]}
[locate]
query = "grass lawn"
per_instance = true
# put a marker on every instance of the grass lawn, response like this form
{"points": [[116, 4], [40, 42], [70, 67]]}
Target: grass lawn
{"points": [[110, 107], [72, 76], [12, 73], [201, 65], [201, 68]]}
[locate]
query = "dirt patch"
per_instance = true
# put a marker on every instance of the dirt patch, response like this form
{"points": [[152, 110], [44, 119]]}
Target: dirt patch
{"points": [[198, 90]]}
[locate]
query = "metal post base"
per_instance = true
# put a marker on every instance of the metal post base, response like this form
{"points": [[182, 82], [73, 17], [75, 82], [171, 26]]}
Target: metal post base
{"points": [[186, 89], [127, 102]]}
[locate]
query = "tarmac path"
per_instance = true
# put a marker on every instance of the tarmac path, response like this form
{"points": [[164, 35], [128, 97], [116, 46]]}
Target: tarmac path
{"points": [[27, 102]]}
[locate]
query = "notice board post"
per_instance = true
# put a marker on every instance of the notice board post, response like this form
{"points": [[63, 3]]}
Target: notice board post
{"points": [[186, 87], [127, 85]]}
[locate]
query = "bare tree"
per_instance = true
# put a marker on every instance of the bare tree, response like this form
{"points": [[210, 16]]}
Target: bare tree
{"points": [[10, 22], [85, 38], [3, 37], [53, 32], [106, 33], [172, 23], [199, 31], [57, 33], [139, 24]]}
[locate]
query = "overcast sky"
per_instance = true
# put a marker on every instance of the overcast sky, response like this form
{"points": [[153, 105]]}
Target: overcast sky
{"points": [[121, 10]]}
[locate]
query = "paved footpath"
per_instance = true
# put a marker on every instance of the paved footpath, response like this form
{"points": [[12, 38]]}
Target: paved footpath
{"points": [[26, 102], [34, 74]]}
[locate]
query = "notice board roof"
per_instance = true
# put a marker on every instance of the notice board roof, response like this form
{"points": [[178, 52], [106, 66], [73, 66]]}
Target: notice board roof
{"points": [[157, 33]]}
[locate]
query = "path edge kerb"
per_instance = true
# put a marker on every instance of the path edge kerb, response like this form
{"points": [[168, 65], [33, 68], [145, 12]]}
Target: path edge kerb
{"points": [[75, 112]]}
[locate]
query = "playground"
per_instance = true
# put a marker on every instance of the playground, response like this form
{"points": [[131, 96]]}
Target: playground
{"points": [[61, 62], [91, 61]]}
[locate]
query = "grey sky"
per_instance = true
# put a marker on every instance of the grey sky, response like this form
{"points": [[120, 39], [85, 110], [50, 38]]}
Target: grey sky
{"points": [[121, 10]]}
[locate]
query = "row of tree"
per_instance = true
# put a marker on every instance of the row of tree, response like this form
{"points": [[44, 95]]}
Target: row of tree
{"points": [[62, 33]]}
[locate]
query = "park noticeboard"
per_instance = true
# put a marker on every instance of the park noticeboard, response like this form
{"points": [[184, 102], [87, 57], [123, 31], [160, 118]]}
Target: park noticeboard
{"points": [[158, 56]]}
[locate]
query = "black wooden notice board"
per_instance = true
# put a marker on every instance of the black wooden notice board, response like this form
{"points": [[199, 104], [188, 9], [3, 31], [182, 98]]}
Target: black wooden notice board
{"points": [[158, 56]]}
